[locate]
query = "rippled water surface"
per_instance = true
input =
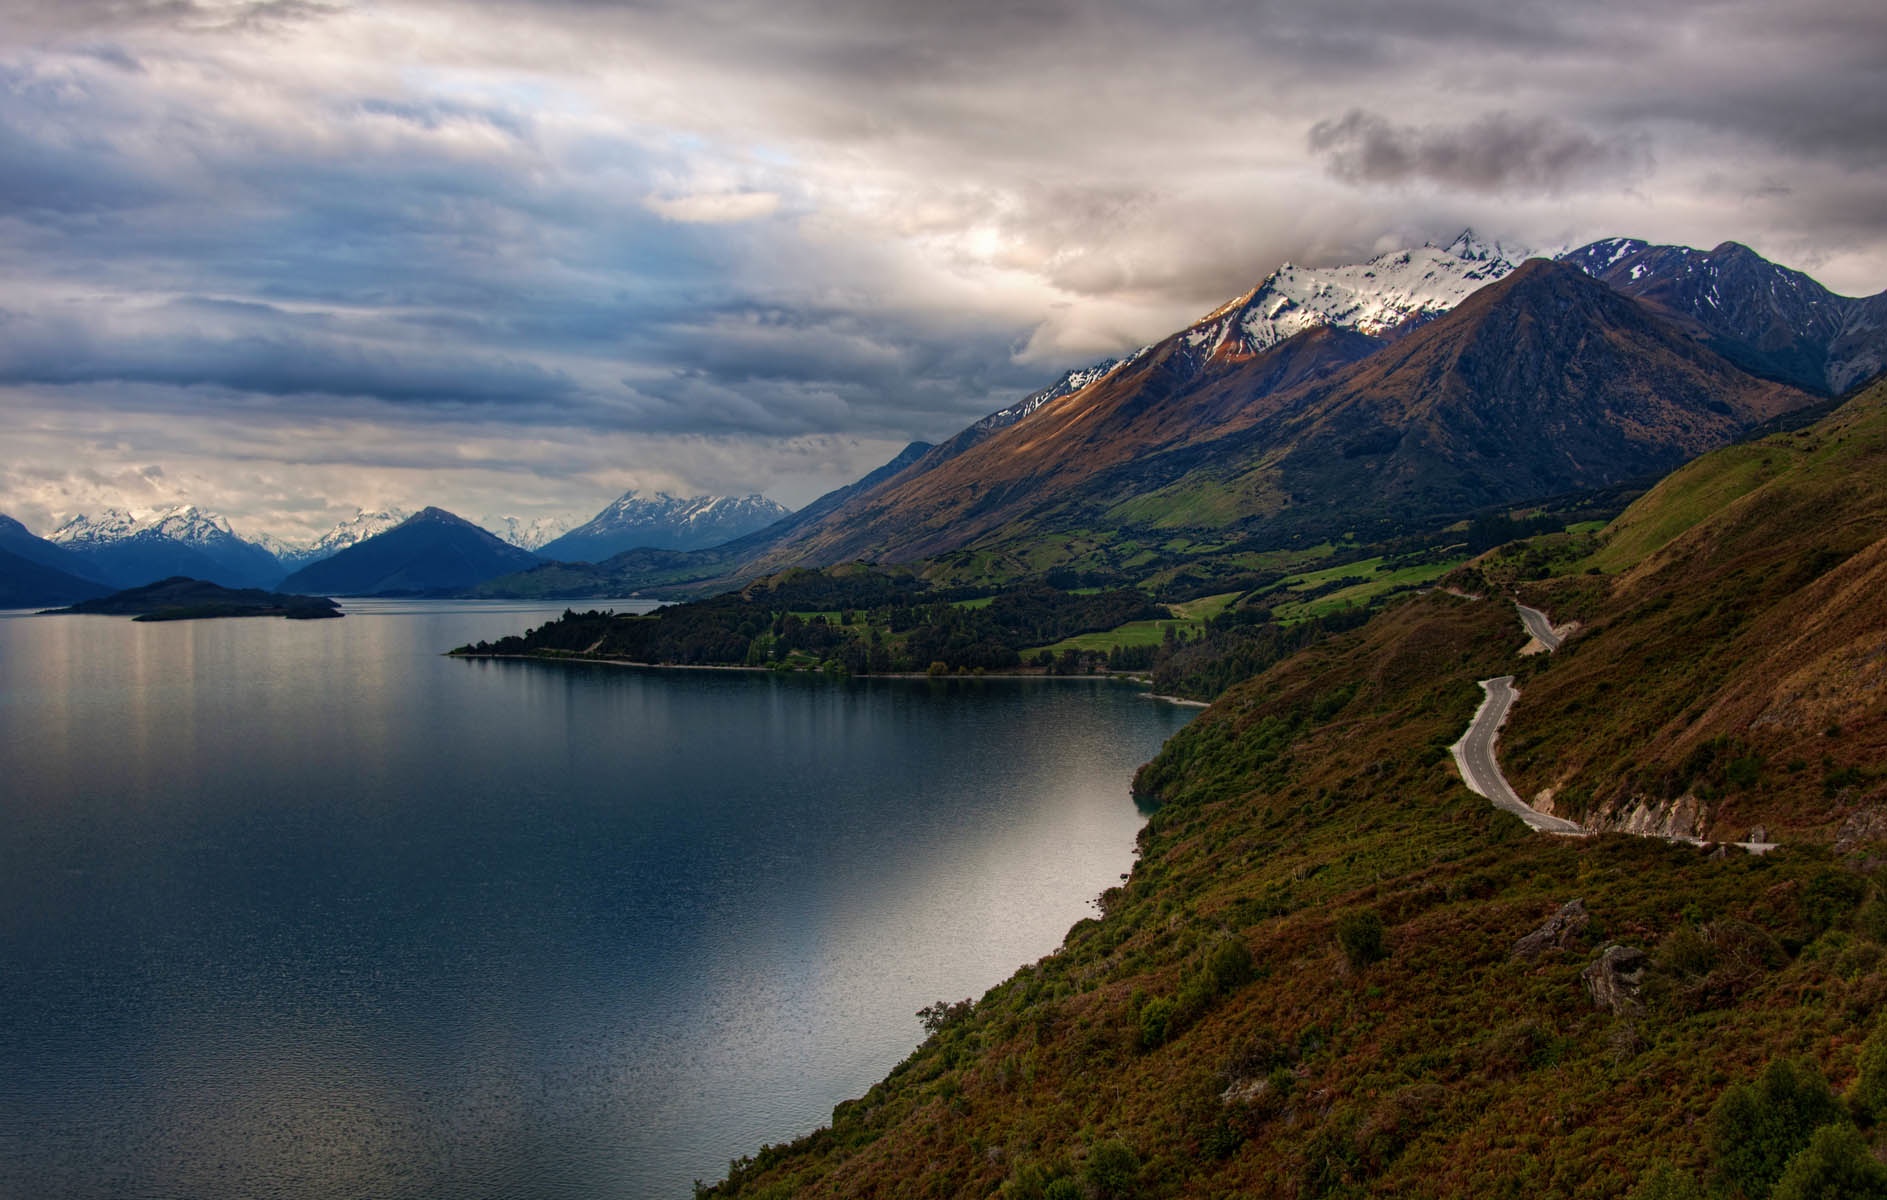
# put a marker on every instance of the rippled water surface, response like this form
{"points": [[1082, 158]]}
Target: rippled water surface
{"points": [[303, 908]]}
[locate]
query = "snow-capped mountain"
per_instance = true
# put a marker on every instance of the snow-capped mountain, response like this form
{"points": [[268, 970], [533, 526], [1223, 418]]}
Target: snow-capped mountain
{"points": [[1373, 298], [184, 523], [1761, 315], [128, 549], [527, 535], [356, 529], [663, 522]]}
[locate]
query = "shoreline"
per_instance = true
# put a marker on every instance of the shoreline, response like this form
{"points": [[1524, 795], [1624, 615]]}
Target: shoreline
{"points": [[1139, 680]]}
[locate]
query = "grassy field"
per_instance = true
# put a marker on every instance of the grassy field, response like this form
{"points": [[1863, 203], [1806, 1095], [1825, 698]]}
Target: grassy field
{"points": [[1377, 583], [1190, 617]]}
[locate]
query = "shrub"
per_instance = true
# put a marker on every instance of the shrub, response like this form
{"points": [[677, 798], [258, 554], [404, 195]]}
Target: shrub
{"points": [[1869, 1096], [1360, 937], [1757, 1127], [1156, 1018], [1835, 1166], [1665, 1182], [1112, 1171], [1229, 964]]}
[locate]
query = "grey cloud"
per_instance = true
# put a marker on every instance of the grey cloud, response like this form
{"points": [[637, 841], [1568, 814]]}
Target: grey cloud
{"points": [[1500, 152], [194, 16]]}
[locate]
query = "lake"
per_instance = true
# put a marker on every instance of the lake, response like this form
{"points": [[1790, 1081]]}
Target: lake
{"points": [[307, 909]]}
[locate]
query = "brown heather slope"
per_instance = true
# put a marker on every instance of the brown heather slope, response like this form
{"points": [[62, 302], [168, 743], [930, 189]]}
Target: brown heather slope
{"points": [[1735, 670], [1543, 383], [1228, 1026], [1175, 395]]}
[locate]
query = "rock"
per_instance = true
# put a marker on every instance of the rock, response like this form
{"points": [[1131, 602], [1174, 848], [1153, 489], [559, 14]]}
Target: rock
{"points": [[1614, 979], [1862, 826], [1245, 1091], [1558, 932]]}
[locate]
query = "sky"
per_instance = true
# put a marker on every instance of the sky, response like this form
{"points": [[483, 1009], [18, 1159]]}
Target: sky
{"points": [[288, 258]]}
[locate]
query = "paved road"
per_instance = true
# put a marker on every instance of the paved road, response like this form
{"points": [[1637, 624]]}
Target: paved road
{"points": [[1474, 755], [1539, 625]]}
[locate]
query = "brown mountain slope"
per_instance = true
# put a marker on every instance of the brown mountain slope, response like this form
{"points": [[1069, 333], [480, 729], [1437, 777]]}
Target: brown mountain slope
{"points": [[1175, 395], [1319, 979], [1543, 383], [1734, 672]]}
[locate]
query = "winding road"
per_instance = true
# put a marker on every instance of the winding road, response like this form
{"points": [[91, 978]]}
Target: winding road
{"points": [[1539, 625], [1474, 755]]}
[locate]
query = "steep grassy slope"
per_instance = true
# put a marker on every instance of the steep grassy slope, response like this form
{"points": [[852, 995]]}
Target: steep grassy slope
{"points": [[1310, 986], [1735, 670]]}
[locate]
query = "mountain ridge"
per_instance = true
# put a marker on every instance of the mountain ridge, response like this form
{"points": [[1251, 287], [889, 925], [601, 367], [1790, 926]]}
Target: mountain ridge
{"points": [[432, 551]]}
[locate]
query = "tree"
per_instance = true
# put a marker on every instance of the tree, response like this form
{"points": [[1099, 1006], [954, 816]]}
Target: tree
{"points": [[1360, 937], [1869, 1097], [1757, 1127], [1836, 1165], [1665, 1182]]}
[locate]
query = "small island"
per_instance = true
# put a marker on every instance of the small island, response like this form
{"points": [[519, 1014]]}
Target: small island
{"points": [[180, 598]]}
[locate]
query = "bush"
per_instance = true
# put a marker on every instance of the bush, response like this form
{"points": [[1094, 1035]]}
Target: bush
{"points": [[1835, 1166], [1156, 1018], [1756, 1128], [1112, 1171], [1229, 964], [1869, 1096], [1360, 937], [1665, 1182]]}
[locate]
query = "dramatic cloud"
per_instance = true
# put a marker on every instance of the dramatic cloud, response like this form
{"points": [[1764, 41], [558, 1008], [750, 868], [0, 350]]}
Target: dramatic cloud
{"points": [[304, 254], [1497, 153]]}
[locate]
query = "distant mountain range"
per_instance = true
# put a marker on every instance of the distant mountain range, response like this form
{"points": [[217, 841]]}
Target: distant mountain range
{"points": [[430, 552], [1766, 318], [663, 522], [89, 556], [126, 551], [1365, 401]]}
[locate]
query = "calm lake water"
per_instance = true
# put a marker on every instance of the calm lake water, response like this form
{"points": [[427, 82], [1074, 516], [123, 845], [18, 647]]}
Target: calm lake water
{"points": [[305, 909]]}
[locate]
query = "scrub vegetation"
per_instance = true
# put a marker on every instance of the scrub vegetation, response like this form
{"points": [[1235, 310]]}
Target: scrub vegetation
{"points": [[1334, 971]]}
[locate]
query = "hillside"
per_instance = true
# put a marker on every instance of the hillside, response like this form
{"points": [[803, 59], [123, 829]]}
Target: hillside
{"points": [[1544, 382], [1758, 571], [25, 583], [1318, 979]]}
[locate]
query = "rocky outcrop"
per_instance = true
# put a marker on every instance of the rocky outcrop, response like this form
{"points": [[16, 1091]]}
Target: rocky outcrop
{"points": [[1559, 932], [1863, 826], [1615, 979], [1684, 818]]}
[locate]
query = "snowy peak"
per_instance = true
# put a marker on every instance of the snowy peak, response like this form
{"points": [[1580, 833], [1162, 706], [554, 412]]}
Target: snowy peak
{"points": [[190, 525], [1765, 317], [184, 523], [1372, 297], [661, 521], [1468, 248], [526, 534], [356, 529], [114, 524]]}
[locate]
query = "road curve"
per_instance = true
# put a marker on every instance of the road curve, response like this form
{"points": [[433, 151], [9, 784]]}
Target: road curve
{"points": [[1474, 756], [1539, 625]]}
